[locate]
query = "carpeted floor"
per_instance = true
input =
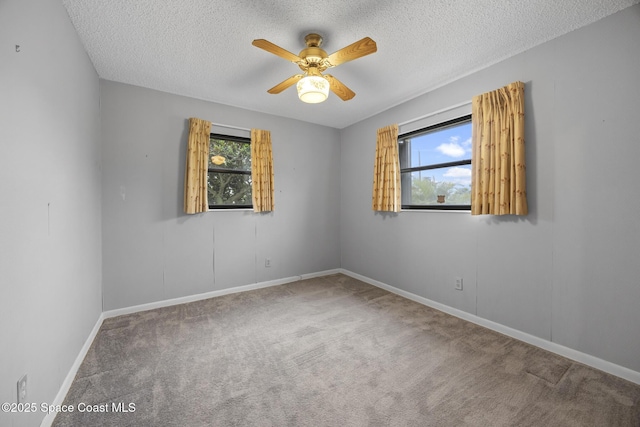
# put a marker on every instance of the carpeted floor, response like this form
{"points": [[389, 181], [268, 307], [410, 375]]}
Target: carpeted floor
{"points": [[331, 351]]}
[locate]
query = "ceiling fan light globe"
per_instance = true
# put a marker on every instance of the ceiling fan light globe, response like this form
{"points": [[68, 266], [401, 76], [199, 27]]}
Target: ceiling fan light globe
{"points": [[312, 89]]}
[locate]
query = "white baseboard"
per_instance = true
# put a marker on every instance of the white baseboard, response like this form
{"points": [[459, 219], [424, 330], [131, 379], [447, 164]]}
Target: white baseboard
{"points": [[191, 298], [66, 384], [569, 353], [198, 297], [321, 274]]}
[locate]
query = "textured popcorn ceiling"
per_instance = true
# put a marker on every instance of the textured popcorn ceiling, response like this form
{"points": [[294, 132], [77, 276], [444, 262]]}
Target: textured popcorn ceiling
{"points": [[202, 48]]}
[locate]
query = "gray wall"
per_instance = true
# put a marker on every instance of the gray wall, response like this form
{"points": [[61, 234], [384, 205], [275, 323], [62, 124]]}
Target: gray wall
{"points": [[50, 247], [153, 251], [570, 270]]}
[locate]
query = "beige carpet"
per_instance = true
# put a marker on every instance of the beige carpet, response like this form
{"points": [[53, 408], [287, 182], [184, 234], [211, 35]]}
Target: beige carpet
{"points": [[331, 351]]}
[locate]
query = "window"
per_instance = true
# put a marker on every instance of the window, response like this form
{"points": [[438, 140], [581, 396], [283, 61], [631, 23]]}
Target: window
{"points": [[229, 184], [435, 166]]}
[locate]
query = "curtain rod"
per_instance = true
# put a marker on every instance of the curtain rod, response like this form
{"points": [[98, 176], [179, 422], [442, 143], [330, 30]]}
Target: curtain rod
{"points": [[230, 127], [435, 113]]}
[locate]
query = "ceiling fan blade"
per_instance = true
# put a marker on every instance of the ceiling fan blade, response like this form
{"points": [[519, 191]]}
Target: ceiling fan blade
{"points": [[276, 50], [285, 84], [339, 88], [355, 50]]}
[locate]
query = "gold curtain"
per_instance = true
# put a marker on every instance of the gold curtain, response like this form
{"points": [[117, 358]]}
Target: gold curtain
{"points": [[261, 170], [386, 171], [498, 183], [195, 179]]}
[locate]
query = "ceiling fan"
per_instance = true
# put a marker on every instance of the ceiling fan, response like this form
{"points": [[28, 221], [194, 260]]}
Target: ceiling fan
{"points": [[312, 85]]}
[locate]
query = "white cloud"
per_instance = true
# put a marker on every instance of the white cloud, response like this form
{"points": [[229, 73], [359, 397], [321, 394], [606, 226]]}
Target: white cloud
{"points": [[454, 148], [457, 172], [451, 149], [458, 175]]}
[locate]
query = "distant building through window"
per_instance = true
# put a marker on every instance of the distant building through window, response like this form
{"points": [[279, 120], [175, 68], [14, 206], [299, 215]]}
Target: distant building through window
{"points": [[435, 166]]}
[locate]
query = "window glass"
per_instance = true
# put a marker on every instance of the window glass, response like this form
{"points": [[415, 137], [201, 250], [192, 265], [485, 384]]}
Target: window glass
{"points": [[229, 183], [441, 146], [435, 165]]}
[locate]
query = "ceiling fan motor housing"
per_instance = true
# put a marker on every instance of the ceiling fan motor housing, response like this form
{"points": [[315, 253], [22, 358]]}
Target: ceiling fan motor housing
{"points": [[313, 55], [313, 40]]}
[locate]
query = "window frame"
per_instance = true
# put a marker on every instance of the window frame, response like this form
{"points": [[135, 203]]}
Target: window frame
{"points": [[213, 168], [409, 170]]}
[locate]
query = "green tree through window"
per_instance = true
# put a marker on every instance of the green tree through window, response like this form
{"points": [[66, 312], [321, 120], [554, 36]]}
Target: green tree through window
{"points": [[425, 191], [229, 183]]}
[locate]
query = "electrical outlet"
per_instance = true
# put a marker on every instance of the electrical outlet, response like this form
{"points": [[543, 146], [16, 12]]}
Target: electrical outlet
{"points": [[267, 262], [458, 283], [22, 389]]}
